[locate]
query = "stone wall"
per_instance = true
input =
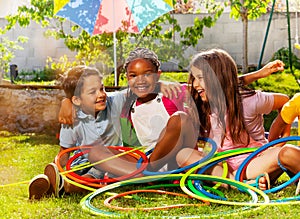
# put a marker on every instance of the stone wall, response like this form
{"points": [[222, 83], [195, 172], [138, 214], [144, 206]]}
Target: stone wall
{"points": [[30, 110]]}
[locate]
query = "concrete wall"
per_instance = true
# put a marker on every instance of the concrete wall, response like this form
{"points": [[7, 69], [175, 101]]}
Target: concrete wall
{"points": [[37, 49], [226, 34]]}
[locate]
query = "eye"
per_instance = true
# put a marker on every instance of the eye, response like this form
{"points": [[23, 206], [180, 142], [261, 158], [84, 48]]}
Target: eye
{"points": [[92, 92], [199, 77], [131, 75]]}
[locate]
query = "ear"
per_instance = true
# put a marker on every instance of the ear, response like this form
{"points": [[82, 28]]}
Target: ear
{"points": [[158, 74], [76, 100]]}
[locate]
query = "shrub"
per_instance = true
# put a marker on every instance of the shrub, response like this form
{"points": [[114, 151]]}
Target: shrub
{"points": [[283, 55], [37, 75]]}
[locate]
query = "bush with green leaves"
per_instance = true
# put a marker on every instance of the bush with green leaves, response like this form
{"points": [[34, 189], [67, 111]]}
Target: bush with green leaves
{"points": [[283, 55], [45, 74]]}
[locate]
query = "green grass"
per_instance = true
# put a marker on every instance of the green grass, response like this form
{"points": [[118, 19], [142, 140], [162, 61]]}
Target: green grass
{"points": [[24, 156]]}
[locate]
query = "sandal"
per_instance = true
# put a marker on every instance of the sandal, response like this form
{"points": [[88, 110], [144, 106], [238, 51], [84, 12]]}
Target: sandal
{"points": [[38, 186], [56, 181], [256, 183]]}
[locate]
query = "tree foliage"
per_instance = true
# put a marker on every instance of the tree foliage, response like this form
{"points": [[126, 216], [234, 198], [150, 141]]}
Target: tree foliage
{"points": [[7, 49], [98, 49], [247, 10]]}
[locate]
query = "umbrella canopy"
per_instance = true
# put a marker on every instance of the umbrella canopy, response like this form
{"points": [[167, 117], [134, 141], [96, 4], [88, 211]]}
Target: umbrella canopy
{"points": [[110, 16]]}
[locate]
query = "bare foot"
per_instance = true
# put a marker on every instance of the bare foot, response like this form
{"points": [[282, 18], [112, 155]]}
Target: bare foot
{"points": [[263, 183]]}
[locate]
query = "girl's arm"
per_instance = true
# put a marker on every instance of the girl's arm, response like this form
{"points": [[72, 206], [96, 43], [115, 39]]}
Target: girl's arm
{"points": [[279, 101], [267, 70], [278, 129]]}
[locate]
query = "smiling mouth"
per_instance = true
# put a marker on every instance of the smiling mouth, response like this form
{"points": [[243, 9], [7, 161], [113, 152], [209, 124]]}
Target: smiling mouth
{"points": [[141, 88], [200, 91], [101, 101]]}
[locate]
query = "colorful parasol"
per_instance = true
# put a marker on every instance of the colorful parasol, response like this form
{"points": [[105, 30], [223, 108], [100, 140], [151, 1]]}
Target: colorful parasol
{"points": [[110, 16]]}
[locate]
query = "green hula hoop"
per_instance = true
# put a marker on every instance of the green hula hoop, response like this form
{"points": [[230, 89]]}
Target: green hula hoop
{"points": [[235, 183], [88, 207]]}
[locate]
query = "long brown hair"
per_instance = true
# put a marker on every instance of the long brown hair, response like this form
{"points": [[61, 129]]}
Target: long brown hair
{"points": [[220, 76]]}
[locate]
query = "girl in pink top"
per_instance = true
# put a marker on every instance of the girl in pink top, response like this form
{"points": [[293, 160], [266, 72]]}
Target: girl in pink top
{"points": [[215, 90]]}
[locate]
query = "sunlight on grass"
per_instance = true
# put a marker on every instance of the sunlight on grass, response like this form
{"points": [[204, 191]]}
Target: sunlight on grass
{"points": [[24, 156]]}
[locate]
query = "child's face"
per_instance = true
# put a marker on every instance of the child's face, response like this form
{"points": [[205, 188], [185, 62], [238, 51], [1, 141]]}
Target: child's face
{"points": [[142, 77], [93, 96], [198, 83]]}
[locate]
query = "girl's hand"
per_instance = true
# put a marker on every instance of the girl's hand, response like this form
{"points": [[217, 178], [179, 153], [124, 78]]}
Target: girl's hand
{"points": [[272, 67], [169, 89], [66, 112]]}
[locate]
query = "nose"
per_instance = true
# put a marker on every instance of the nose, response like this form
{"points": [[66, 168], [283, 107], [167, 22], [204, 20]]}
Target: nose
{"points": [[101, 93], [140, 78]]}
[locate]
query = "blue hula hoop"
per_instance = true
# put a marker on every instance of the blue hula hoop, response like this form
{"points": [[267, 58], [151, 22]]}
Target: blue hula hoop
{"points": [[197, 183], [263, 148], [182, 169]]}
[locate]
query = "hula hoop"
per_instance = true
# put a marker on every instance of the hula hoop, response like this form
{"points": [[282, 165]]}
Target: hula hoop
{"points": [[109, 180], [108, 200], [219, 157], [177, 185], [182, 169], [240, 185], [224, 175], [262, 193], [97, 182], [241, 170], [65, 174], [220, 179], [88, 207]]}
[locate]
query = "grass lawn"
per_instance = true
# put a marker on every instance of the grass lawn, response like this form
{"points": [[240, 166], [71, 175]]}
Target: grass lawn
{"points": [[24, 156]]}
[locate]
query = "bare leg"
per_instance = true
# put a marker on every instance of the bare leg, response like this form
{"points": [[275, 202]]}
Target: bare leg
{"points": [[118, 166], [70, 188], [289, 157], [267, 162], [179, 133], [189, 156]]}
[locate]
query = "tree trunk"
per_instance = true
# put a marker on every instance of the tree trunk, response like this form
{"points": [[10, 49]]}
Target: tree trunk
{"points": [[245, 44]]}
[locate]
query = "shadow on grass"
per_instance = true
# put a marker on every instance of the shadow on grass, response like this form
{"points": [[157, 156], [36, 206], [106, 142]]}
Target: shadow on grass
{"points": [[29, 138]]}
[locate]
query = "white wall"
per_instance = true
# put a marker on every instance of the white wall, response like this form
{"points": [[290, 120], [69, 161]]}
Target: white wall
{"points": [[11, 6], [226, 34]]}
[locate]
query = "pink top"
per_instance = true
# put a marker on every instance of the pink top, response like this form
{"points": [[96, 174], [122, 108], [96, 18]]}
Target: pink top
{"points": [[255, 106], [217, 133]]}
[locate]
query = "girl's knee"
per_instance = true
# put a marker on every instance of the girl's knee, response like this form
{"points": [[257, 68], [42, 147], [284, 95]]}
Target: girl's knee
{"points": [[287, 153], [182, 155]]}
